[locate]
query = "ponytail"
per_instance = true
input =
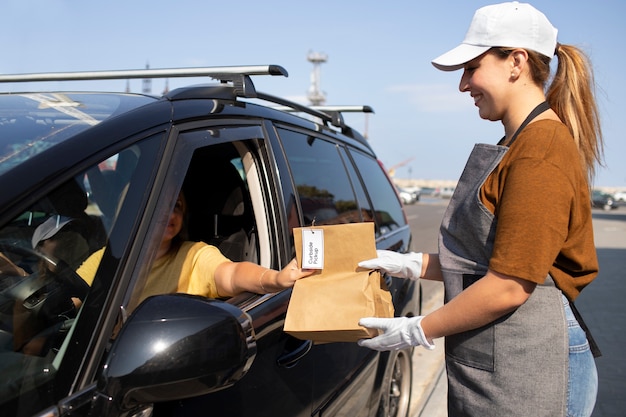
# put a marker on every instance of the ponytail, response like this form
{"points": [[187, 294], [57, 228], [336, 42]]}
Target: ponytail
{"points": [[572, 97]]}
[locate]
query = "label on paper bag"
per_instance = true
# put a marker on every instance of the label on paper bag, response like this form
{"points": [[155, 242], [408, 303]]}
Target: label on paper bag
{"points": [[312, 249]]}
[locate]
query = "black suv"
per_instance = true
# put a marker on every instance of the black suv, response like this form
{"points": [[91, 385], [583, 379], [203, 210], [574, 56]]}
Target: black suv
{"points": [[253, 166]]}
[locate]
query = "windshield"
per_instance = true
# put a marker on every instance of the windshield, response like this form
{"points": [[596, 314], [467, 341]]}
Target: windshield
{"points": [[33, 122]]}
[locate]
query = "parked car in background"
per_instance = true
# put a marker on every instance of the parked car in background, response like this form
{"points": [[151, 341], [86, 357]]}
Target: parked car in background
{"points": [[416, 191], [408, 196], [600, 199], [107, 168], [444, 192], [620, 196], [427, 191]]}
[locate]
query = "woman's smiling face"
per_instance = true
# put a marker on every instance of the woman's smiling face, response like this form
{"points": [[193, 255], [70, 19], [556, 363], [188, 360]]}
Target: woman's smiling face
{"points": [[487, 79]]}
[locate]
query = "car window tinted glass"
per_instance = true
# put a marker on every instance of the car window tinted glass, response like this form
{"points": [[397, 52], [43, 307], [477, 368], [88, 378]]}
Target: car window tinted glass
{"points": [[41, 292], [31, 123], [323, 185], [387, 208], [366, 209]]}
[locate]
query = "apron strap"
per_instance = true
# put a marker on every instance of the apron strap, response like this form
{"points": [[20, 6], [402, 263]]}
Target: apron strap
{"points": [[595, 350], [534, 113]]}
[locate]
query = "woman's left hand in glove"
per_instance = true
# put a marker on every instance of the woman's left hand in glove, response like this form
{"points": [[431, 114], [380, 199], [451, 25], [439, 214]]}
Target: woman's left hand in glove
{"points": [[398, 333]]}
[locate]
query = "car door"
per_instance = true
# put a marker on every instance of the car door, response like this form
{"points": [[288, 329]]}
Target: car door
{"points": [[208, 163], [345, 374], [54, 325]]}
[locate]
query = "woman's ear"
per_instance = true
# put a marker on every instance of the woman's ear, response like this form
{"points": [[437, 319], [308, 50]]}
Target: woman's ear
{"points": [[518, 59]]}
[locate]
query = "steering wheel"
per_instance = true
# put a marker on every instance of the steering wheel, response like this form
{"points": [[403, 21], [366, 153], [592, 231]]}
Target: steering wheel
{"points": [[46, 296]]}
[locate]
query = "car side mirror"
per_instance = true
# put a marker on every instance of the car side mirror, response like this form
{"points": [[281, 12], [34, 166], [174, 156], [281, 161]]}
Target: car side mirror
{"points": [[174, 346]]}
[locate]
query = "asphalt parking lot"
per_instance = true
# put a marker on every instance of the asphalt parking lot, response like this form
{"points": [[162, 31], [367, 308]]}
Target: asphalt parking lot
{"points": [[601, 304]]}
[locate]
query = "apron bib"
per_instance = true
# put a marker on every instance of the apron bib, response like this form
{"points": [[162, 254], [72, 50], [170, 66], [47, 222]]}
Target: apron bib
{"points": [[520, 361]]}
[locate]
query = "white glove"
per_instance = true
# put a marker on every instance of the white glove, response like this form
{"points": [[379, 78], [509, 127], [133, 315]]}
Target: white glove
{"points": [[401, 265], [399, 333]]}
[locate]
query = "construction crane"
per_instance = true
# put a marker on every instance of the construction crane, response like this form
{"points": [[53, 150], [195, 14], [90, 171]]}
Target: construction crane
{"points": [[392, 171]]}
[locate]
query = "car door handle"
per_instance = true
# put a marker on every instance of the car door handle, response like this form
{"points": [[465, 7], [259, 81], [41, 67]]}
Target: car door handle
{"points": [[291, 356]]}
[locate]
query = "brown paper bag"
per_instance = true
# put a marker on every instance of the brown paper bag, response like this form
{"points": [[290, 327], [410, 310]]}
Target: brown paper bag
{"points": [[327, 306]]}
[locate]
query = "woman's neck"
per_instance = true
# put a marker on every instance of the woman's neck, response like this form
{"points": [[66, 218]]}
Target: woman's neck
{"points": [[517, 114], [164, 248]]}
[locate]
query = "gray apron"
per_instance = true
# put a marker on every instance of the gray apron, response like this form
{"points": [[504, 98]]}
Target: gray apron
{"points": [[519, 362]]}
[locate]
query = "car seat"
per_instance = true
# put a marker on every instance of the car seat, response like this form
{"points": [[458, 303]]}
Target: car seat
{"points": [[220, 211]]}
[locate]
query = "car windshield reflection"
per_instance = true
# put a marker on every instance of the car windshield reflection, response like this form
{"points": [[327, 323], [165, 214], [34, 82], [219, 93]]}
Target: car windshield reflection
{"points": [[32, 123]]}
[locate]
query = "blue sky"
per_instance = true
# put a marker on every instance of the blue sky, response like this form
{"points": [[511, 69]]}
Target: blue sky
{"points": [[378, 52]]}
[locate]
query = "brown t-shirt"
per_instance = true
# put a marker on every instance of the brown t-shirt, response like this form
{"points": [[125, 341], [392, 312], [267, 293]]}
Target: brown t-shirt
{"points": [[540, 196]]}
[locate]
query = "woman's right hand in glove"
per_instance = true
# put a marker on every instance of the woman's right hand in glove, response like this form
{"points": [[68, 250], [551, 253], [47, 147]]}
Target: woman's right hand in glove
{"points": [[401, 265]]}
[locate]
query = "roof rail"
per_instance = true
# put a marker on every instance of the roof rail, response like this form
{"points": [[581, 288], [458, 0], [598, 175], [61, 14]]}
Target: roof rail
{"points": [[344, 109], [330, 114], [336, 112], [238, 75], [287, 105]]}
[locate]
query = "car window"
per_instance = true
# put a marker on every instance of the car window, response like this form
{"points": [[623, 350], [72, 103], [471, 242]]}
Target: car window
{"points": [[366, 208], [41, 293], [323, 185], [217, 209], [387, 208], [220, 213]]}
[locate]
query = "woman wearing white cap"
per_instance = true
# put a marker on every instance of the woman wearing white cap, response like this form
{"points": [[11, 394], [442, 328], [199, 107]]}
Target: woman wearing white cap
{"points": [[516, 242]]}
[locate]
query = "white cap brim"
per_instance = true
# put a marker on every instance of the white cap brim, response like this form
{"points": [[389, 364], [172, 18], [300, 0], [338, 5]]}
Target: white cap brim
{"points": [[49, 228], [456, 58]]}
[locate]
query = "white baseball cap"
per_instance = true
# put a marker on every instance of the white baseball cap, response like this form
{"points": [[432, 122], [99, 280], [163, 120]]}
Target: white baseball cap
{"points": [[508, 25], [49, 228]]}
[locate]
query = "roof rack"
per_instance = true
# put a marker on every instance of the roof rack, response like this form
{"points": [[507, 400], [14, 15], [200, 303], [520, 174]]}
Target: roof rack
{"points": [[335, 112], [330, 114], [344, 109], [238, 75]]}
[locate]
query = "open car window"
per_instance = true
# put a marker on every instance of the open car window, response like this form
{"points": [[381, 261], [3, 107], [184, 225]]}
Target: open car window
{"points": [[223, 207]]}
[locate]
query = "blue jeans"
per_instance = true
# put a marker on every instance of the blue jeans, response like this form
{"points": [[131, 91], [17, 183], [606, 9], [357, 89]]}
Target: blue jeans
{"points": [[582, 387]]}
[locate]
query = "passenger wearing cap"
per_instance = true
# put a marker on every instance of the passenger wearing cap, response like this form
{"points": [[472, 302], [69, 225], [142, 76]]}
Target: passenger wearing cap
{"points": [[516, 242], [57, 240], [55, 292]]}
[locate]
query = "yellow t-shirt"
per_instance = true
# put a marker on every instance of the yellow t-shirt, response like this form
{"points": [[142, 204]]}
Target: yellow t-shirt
{"points": [[87, 270], [189, 270]]}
